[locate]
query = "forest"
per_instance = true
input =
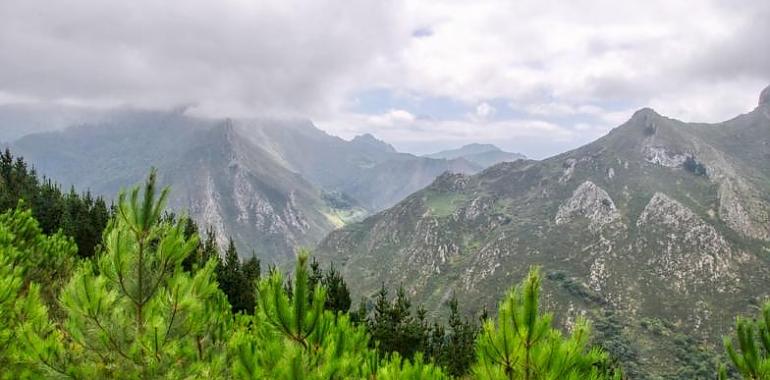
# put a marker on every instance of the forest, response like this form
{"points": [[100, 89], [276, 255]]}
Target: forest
{"points": [[132, 290]]}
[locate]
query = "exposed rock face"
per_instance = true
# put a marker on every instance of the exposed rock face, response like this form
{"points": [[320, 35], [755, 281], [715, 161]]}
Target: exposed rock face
{"points": [[687, 252], [619, 226], [591, 202], [450, 182], [569, 169], [661, 156], [260, 181], [748, 222]]}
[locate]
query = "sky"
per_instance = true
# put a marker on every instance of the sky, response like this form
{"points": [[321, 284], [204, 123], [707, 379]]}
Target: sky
{"points": [[537, 77]]}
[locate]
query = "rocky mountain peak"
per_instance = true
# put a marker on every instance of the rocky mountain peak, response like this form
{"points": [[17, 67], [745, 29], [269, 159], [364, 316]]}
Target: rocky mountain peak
{"points": [[449, 181], [645, 114], [764, 97], [369, 141]]}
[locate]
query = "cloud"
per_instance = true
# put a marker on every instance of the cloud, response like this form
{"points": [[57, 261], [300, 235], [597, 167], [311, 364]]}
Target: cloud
{"points": [[446, 70], [484, 110], [229, 57], [390, 118], [536, 138]]}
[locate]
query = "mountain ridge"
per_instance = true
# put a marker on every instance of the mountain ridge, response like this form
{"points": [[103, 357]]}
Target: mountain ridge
{"points": [[484, 155], [657, 222], [272, 185]]}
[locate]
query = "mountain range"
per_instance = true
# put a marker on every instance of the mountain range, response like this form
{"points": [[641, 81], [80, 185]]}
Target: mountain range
{"points": [[484, 155], [271, 185], [659, 232]]}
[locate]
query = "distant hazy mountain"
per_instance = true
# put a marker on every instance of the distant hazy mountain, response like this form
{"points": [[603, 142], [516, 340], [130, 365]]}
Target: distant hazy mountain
{"points": [[271, 185], [367, 169], [484, 155], [659, 232], [17, 120], [369, 142]]}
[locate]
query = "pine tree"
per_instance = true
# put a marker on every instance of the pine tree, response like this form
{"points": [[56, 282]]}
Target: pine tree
{"points": [[392, 326], [251, 270], [82, 217], [292, 336], [459, 352], [28, 259], [338, 295], [135, 313], [250, 274], [236, 282], [524, 345], [752, 356], [206, 250]]}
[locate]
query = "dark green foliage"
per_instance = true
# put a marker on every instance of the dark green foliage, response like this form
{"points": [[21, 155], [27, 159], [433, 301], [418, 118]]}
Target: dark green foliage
{"points": [[393, 327], [81, 217], [236, 282], [458, 352], [693, 166], [292, 336], [694, 360], [359, 315], [337, 293], [207, 250], [235, 278], [608, 334], [575, 288]]}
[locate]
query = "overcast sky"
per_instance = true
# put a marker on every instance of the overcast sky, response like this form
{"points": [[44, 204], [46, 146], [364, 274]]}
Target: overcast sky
{"points": [[537, 77]]}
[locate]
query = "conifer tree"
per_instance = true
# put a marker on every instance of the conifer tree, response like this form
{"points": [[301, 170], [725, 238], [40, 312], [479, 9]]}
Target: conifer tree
{"points": [[751, 357], [524, 345], [82, 217], [393, 327], [27, 259], [251, 270], [134, 313], [459, 352], [337, 293], [292, 336]]}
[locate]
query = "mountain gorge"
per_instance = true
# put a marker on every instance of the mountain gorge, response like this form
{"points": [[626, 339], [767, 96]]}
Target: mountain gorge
{"points": [[271, 185], [659, 232]]}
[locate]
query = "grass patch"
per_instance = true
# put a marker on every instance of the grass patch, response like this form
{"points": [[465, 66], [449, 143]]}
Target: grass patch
{"points": [[443, 204]]}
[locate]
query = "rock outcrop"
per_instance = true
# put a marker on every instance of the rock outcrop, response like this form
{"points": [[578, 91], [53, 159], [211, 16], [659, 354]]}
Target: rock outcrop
{"points": [[591, 202]]}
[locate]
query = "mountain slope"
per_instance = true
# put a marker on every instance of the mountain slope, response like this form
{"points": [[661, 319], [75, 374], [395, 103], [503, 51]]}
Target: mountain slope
{"points": [[219, 177], [236, 188], [366, 169], [658, 231], [483, 155], [272, 185]]}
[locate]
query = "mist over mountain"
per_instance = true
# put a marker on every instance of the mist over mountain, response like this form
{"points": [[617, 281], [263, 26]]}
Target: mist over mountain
{"points": [[271, 185], [657, 231], [385, 190], [19, 119]]}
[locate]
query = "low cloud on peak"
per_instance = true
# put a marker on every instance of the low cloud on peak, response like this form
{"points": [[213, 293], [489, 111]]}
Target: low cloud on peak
{"points": [[531, 76]]}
